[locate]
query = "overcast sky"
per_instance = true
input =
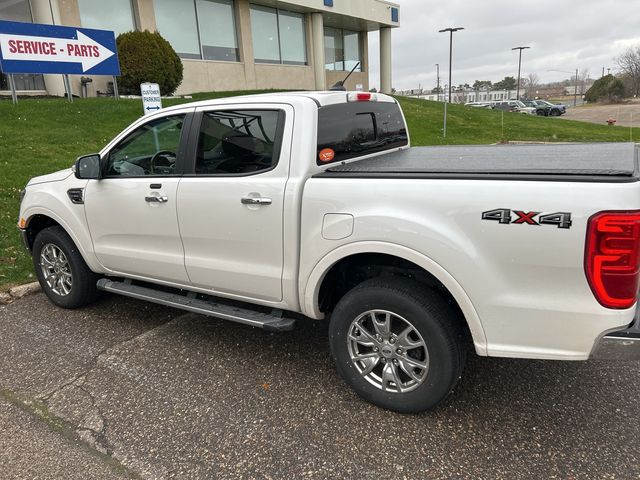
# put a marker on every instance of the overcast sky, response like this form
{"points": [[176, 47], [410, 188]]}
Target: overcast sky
{"points": [[562, 34]]}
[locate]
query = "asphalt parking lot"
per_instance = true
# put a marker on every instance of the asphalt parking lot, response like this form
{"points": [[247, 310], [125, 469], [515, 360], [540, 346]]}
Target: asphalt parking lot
{"points": [[127, 389], [625, 115]]}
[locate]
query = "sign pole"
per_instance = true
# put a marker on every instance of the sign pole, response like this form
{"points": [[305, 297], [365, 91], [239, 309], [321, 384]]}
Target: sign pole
{"points": [[67, 87], [12, 84], [116, 94]]}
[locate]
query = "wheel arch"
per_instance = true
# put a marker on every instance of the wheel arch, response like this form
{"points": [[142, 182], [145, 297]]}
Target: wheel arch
{"points": [[394, 258], [37, 219]]}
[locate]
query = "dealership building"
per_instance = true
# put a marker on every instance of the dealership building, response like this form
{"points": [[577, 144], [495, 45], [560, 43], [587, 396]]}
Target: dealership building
{"points": [[231, 44]]}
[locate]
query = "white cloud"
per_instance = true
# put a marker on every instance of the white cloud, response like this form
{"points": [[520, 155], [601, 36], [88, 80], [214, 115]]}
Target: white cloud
{"points": [[563, 35]]}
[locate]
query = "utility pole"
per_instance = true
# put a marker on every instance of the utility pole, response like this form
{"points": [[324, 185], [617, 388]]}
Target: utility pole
{"points": [[438, 80], [519, 67], [575, 93], [450, 30]]}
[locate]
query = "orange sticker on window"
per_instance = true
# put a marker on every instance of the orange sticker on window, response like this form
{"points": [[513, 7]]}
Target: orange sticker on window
{"points": [[326, 155]]}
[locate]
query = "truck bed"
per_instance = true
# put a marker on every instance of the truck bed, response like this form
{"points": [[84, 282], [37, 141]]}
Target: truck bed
{"points": [[593, 162]]}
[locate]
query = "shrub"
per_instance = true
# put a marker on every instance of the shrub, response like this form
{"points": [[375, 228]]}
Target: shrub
{"points": [[605, 89], [147, 57]]}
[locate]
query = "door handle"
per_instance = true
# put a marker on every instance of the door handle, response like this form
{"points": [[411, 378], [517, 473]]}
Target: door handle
{"points": [[154, 199], [255, 201]]}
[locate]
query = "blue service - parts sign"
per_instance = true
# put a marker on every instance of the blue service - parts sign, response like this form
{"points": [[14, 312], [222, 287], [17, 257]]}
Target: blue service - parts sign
{"points": [[37, 48]]}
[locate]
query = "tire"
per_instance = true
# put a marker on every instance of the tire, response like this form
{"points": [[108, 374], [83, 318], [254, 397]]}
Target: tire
{"points": [[541, 113], [71, 283], [436, 327], [555, 112]]}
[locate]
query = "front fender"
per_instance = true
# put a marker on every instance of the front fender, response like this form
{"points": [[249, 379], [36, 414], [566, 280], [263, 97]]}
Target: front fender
{"points": [[70, 216], [310, 290]]}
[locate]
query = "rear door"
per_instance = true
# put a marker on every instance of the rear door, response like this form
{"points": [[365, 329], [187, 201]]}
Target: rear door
{"points": [[230, 204]]}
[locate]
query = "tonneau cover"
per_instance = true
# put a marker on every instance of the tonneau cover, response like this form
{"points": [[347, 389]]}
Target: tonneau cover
{"points": [[584, 162]]}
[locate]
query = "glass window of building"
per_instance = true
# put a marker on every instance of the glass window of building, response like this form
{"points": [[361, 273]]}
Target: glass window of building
{"points": [[342, 49], [352, 50], [116, 15], [216, 21], [264, 29], [19, 11], [279, 36], [293, 46], [176, 22], [16, 11], [333, 49]]}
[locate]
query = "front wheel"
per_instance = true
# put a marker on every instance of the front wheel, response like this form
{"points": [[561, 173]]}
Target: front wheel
{"points": [[397, 344], [62, 272]]}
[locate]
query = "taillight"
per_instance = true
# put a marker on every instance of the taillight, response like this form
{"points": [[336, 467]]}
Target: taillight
{"points": [[612, 257], [362, 97]]}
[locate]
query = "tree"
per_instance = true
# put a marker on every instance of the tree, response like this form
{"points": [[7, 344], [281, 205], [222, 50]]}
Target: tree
{"points": [[605, 89], [531, 84], [629, 65], [436, 90], [583, 77], [507, 83], [147, 57], [482, 85]]}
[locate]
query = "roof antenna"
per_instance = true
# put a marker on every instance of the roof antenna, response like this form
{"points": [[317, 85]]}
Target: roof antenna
{"points": [[339, 85]]}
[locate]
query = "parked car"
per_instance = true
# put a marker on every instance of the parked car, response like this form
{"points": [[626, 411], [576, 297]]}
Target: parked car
{"points": [[479, 104], [514, 106], [267, 209], [545, 108]]}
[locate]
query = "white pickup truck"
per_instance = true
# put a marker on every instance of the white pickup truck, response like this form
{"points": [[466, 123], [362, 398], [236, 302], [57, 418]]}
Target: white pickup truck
{"points": [[270, 208]]}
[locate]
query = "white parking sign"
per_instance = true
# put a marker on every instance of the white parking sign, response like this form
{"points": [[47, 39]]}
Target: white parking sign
{"points": [[151, 101]]}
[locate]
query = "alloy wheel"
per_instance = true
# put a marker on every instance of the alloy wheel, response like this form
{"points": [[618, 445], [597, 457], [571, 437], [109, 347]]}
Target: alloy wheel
{"points": [[56, 270], [388, 351]]}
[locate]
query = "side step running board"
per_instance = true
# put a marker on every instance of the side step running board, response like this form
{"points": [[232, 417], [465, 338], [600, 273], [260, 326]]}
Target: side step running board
{"points": [[271, 322]]}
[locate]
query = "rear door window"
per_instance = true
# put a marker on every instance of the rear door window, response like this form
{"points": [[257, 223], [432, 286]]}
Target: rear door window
{"points": [[348, 130], [240, 142]]}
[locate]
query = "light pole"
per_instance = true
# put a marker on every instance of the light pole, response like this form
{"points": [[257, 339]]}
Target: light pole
{"points": [[519, 66], [450, 30], [438, 80]]}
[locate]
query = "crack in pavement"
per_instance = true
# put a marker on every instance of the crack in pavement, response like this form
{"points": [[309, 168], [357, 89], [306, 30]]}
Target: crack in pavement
{"points": [[62, 427], [91, 427], [96, 358]]}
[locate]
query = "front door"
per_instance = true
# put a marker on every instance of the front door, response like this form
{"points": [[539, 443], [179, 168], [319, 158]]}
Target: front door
{"points": [[131, 212], [230, 208]]}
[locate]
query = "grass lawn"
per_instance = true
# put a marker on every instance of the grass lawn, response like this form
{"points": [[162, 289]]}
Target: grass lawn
{"points": [[40, 136]]}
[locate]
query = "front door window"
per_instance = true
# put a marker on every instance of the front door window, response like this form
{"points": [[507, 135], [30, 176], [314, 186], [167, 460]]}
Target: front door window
{"points": [[150, 150]]}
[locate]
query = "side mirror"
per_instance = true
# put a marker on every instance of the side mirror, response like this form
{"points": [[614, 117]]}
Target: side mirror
{"points": [[87, 167]]}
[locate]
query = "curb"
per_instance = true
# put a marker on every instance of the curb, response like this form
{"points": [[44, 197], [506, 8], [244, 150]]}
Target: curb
{"points": [[20, 291]]}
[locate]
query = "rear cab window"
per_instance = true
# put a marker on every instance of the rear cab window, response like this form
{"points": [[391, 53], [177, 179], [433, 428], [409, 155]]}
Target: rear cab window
{"points": [[239, 142], [355, 129]]}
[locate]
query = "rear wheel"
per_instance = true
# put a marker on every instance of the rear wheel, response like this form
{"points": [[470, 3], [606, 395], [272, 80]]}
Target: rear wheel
{"points": [[540, 112], [397, 344], [62, 272]]}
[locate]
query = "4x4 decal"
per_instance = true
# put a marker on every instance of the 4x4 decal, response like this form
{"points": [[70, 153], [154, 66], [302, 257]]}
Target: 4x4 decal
{"points": [[507, 216]]}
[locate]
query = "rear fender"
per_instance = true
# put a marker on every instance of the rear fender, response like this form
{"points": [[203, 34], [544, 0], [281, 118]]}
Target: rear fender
{"points": [[310, 290]]}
